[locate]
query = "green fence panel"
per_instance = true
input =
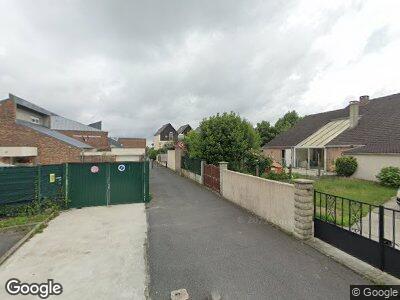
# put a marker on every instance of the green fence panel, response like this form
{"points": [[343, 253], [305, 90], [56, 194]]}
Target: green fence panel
{"points": [[127, 182], [147, 181], [88, 184], [191, 164], [18, 184], [52, 179]]}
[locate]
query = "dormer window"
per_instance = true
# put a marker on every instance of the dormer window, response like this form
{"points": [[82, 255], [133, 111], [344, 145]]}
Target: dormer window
{"points": [[34, 120]]}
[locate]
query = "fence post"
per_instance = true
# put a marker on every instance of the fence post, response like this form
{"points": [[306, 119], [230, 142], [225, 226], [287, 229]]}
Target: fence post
{"points": [[382, 235], [303, 208], [222, 166], [203, 162], [39, 183], [66, 180]]}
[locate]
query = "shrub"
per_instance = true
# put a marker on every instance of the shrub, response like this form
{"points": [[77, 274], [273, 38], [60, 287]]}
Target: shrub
{"points": [[277, 176], [389, 176], [33, 208], [346, 165]]}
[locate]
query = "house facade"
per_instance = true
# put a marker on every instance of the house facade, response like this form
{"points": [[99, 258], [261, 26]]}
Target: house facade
{"points": [[367, 129], [32, 135], [166, 134], [184, 130]]}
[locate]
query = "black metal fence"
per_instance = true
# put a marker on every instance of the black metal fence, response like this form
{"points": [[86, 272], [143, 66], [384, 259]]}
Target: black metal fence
{"points": [[191, 164], [367, 231]]}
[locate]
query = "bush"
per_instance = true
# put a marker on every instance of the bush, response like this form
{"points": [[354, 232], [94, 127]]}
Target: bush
{"points": [[254, 158], [346, 165], [277, 176], [389, 176], [33, 208]]}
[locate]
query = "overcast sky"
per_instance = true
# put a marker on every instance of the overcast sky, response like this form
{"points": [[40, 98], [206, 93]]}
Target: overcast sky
{"points": [[139, 64]]}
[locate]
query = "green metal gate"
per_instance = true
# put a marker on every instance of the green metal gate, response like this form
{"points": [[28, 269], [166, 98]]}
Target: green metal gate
{"points": [[107, 183]]}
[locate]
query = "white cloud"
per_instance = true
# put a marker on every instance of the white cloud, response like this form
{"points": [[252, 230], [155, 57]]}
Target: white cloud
{"points": [[137, 65]]}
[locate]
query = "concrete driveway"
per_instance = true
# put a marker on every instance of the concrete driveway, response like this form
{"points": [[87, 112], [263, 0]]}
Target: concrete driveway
{"points": [[203, 243], [95, 253]]}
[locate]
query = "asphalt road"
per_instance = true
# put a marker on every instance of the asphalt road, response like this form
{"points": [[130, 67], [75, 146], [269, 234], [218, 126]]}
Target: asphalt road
{"points": [[9, 237], [202, 243]]}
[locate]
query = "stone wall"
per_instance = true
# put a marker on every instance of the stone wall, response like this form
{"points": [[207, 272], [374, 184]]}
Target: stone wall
{"points": [[271, 200]]}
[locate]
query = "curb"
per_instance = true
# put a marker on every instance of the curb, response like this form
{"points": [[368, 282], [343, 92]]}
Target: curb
{"points": [[360, 267], [14, 248]]}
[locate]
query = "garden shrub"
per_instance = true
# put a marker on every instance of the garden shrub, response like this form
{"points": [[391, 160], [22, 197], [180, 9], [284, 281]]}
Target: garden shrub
{"points": [[346, 165], [277, 176], [389, 176], [33, 208]]}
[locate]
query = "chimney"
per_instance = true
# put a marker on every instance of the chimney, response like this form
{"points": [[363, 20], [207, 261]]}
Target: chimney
{"points": [[354, 113], [364, 99]]}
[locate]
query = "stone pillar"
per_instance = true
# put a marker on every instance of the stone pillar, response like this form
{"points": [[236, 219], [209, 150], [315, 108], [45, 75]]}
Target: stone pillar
{"points": [[303, 208], [178, 159], [203, 162], [222, 166]]}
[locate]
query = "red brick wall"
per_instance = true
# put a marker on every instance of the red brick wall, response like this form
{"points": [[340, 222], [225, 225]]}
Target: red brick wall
{"points": [[50, 150], [99, 158], [132, 142], [275, 154], [96, 139], [331, 155]]}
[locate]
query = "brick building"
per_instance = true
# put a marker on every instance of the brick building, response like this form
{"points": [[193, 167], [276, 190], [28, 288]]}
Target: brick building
{"points": [[31, 135]]}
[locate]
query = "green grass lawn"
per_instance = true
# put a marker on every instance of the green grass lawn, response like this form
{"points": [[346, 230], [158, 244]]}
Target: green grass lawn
{"points": [[22, 220], [355, 189], [347, 212]]}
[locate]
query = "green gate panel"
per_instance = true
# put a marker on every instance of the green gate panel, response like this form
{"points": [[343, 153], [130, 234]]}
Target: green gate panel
{"points": [[18, 184], [86, 186], [147, 181], [127, 182], [52, 180]]}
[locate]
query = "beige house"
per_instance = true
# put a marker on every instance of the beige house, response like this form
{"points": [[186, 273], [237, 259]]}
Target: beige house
{"points": [[166, 134], [367, 129]]}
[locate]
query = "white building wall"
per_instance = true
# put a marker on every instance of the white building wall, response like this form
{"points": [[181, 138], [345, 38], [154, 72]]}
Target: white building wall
{"points": [[369, 165]]}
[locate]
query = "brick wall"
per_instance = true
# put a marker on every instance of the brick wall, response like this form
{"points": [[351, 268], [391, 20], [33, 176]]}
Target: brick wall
{"points": [[275, 154], [331, 155], [132, 142], [50, 150], [99, 158], [96, 139]]}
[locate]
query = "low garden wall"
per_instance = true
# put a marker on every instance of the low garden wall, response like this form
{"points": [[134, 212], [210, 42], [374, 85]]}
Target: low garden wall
{"points": [[270, 200], [196, 177], [171, 159]]}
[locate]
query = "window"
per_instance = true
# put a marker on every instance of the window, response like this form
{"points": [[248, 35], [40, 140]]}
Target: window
{"points": [[34, 120], [171, 136]]}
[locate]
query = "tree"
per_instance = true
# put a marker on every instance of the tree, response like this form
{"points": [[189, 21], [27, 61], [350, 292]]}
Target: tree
{"points": [[152, 153], [192, 142], [268, 132], [265, 131], [287, 121], [223, 137]]}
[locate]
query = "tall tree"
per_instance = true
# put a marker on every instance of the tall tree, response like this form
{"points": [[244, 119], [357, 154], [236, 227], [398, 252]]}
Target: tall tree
{"points": [[223, 137], [287, 121], [265, 131]]}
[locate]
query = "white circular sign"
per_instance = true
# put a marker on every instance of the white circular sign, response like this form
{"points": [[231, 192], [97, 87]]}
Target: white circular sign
{"points": [[121, 168], [94, 169]]}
